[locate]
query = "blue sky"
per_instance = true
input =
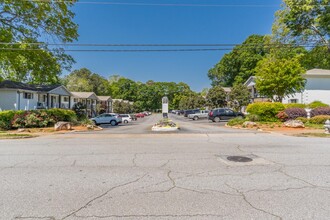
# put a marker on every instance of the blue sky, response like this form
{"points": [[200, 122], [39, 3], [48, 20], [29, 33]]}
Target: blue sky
{"points": [[127, 24]]}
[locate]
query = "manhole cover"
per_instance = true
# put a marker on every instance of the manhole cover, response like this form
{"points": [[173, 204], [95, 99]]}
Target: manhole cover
{"points": [[239, 159]]}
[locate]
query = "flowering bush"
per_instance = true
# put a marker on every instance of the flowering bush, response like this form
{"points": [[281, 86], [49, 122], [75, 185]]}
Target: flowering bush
{"points": [[294, 113], [282, 116], [320, 111], [33, 119]]}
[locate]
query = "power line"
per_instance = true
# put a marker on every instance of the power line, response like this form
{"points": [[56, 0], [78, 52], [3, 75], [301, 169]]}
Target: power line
{"points": [[153, 45], [129, 50], [169, 4], [158, 4]]}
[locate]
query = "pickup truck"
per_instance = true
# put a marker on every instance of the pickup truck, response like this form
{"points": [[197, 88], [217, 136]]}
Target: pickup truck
{"points": [[202, 114]]}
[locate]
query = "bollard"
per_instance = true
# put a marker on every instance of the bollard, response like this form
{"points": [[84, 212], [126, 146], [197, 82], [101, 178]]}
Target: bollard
{"points": [[327, 126]]}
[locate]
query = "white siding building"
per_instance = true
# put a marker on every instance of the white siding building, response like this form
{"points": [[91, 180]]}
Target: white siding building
{"points": [[21, 96], [317, 88]]}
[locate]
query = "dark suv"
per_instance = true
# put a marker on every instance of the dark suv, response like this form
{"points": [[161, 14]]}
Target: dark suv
{"points": [[223, 114]]}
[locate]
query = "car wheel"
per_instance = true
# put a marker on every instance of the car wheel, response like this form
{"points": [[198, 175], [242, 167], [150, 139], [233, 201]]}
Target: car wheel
{"points": [[217, 119], [113, 123], [196, 118], [125, 121]]}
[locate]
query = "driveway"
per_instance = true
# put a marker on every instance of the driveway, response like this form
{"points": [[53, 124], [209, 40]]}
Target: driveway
{"points": [[185, 175]]}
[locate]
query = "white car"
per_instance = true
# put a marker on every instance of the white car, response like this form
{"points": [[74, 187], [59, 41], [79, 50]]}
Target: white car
{"points": [[107, 118], [125, 118]]}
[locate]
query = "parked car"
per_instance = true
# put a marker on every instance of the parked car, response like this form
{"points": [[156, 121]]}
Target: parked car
{"points": [[139, 115], [125, 118], [191, 111], [223, 114], [107, 118], [180, 112], [203, 114], [134, 118]]}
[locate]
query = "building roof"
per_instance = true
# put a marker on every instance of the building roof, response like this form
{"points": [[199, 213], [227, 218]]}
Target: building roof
{"points": [[8, 84], [104, 98], [251, 81], [85, 95], [318, 72]]}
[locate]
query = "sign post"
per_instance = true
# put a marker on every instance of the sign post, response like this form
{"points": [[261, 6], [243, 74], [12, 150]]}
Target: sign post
{"points": [[165, 107]]}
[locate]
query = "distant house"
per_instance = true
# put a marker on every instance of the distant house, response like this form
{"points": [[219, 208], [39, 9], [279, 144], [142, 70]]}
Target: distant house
{"points": [[22, 96], [317, 88], [255, 96], [106, 103], [90, 99]]}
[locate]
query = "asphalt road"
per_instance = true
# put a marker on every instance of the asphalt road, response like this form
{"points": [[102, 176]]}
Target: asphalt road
{"points": [[137, 174]]}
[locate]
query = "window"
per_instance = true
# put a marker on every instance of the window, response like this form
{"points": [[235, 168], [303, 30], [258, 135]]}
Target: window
{"points": [[66, 99], [27, 95], [293, 101], [88, 102], [75, 100]]}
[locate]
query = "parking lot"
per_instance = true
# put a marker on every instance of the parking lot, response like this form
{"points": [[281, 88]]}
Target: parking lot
{"points": [[128, 172]]}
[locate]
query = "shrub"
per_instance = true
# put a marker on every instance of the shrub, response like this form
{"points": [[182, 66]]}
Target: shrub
{"points": [[33, 119], [320, 111], [282, 116], [295, 105], [302, 119], [236, 121], [317, 104], [80, 108], [62, 114], [294, 113], [265, 110], [252, 117], [319, 119], [5, 119]]}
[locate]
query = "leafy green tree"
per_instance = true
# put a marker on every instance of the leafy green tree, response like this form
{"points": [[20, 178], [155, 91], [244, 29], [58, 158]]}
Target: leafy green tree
{"points": [[279, 77], [122, 107], [303, 21], [239, 96], [238, 65], [83, 80], [216, 97], [22, 25], [194, 101]]}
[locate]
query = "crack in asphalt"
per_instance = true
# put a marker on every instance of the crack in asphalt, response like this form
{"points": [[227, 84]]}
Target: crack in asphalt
{"points": [[250, 204], [152, 216], [134, 160], [102, 195]]}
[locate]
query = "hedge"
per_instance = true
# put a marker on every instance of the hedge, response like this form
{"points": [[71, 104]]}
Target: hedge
{"points": [[317, 104], [295, 105], [320, 111], [294, 113], [34, 118], [265, 110], [320, 119]]}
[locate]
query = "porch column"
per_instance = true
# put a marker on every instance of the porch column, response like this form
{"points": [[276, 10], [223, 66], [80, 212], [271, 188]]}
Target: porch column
{"points": [[69, 102], [86, 108], [60, 101], [48, 100]]}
